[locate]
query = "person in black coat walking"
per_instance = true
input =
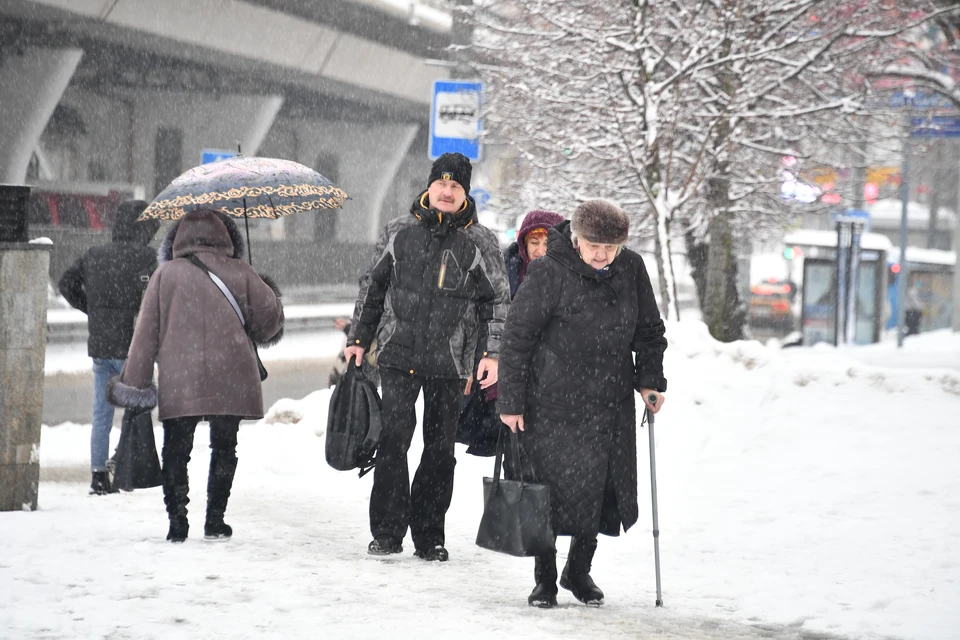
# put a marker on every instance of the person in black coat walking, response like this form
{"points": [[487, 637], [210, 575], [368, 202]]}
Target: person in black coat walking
{"points": [[435, 299], [107, 284], [567, 380]]}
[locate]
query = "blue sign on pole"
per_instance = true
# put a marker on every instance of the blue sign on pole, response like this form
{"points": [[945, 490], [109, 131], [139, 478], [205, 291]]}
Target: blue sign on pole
{"points": [[935, 127], [481, 197], [918, 100], [213, 155], [853, 215], [455, 118]]}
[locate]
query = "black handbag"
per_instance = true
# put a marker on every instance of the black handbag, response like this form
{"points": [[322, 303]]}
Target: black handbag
{"points": [[516, 514], [354, 423], [135, 462], [479, 424]]}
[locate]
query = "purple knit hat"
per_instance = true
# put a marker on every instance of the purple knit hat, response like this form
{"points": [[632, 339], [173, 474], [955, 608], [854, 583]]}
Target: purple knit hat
{"points": [[535, 220]]}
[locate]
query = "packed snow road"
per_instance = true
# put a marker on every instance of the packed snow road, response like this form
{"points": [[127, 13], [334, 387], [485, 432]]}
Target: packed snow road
{"points": [[802, 495]]}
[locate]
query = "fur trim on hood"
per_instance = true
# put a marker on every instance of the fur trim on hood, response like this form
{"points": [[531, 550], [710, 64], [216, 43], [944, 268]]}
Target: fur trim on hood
{"points": [[166, 251]]}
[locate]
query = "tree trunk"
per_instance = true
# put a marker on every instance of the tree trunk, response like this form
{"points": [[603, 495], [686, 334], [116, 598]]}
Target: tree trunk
{"points": [[697, 256], [665, 272], [723, 312]]}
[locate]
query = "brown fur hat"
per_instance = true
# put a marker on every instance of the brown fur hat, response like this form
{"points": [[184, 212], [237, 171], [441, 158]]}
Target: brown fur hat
{"points": [[600, 221]]}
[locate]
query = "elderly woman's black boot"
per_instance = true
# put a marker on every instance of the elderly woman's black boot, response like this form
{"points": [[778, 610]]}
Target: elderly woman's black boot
{"points": [[544, 595], [576, 573]]}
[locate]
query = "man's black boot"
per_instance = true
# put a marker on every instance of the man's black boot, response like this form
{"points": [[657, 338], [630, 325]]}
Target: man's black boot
{"points": [[223, 468], [384, 546], [544, 595], [576, 573]]}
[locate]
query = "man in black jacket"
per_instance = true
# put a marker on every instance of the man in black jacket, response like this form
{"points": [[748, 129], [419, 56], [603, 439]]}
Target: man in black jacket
{"points": [[107, 284], [435, 299]]}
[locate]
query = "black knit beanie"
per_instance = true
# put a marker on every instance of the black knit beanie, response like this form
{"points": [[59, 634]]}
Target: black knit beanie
{"points": [[452, 166], [600, 221]]}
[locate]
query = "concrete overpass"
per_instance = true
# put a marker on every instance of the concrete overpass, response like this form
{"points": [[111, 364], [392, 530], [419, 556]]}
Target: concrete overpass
{"points": [[101, 96]]}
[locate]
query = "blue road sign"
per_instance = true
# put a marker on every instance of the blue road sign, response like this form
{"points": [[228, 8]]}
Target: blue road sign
{"points": [[919, 100], [481, 196], [935, 127], [455, 118], [213, 155], [853, 215]]}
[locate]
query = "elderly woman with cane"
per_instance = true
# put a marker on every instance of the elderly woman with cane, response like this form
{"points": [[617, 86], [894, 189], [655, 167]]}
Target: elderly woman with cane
{"points": [[567, 380]]}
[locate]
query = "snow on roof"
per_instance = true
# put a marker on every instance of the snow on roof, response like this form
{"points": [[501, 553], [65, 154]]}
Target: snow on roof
{"points": [[926, 256], [826, 238], [886, 213]]}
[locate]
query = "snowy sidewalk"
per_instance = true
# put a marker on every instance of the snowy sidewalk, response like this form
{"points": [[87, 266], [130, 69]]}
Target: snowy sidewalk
{"points": [[98, 567], [800, 497]]}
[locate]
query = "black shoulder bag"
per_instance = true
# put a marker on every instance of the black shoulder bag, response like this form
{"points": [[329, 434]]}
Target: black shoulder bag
{"points": [[516, 514], [236, 307]]}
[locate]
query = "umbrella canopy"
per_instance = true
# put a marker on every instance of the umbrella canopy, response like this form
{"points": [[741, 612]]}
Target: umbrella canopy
{"points": [[246, 188]]}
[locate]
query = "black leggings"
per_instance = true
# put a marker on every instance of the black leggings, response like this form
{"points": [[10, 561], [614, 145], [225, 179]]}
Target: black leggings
{"points": [[178, 443]]}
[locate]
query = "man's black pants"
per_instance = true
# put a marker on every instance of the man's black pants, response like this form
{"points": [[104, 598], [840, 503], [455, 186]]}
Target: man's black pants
{"points": [[394, 504]]}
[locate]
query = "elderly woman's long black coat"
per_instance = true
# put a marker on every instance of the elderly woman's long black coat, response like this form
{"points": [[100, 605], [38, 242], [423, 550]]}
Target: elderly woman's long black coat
{"points": [[567, 364]]}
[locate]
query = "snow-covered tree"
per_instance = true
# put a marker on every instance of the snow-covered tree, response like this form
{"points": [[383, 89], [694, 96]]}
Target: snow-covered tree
{"points": [[681, 110]]}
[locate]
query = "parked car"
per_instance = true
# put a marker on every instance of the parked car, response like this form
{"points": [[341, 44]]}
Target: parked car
{"points": [[771, 304]]}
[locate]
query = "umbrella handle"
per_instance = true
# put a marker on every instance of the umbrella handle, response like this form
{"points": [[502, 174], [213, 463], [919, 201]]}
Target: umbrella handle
{"points": [[246, 224]]}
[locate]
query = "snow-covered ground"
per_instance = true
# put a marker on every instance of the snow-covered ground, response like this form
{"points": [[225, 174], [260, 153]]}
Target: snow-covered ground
{"points": [[803, 493]]}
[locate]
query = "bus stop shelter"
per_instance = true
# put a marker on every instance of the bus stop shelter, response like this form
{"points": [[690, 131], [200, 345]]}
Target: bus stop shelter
{"points": [[818, 317]]}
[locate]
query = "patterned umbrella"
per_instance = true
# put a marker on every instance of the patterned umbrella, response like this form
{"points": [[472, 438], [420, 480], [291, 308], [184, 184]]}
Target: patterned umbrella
{"points": [[246, 188]]}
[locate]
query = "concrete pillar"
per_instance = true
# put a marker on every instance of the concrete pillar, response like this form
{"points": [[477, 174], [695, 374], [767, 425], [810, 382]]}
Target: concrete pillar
{"points": [[260, 123], [23, 342], [206, 122], [31, 85], [370, 157]]}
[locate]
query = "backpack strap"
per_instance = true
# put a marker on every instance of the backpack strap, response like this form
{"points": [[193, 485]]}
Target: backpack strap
{"points": [[376, 421]]}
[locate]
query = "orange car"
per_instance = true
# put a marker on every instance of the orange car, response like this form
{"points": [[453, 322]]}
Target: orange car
{"points": [[770, 304]]}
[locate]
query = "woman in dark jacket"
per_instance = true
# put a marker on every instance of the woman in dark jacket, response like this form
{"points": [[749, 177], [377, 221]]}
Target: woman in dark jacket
{"points": [[531, 244], [207, 365], [567, 380], [479, 424]]}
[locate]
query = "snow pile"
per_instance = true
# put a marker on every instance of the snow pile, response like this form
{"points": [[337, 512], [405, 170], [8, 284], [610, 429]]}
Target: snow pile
{"points": [[312, 410], [802, 492]]}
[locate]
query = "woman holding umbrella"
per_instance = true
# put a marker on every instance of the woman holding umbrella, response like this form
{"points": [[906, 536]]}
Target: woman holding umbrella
{"points": [[567, 380], [202, 342]]}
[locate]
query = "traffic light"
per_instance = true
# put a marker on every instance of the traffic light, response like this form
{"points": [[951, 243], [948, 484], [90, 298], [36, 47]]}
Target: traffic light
{"points": [[791, 252], [894, 272]]}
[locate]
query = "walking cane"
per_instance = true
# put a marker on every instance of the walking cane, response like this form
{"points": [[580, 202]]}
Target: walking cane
{"points": [[653, 494]]}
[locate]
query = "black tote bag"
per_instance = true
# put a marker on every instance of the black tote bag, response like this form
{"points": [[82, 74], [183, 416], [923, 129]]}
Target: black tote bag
{"points": [[135, 462], [354, 423], [516, 514]]}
